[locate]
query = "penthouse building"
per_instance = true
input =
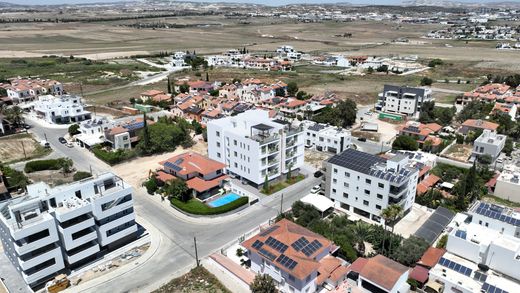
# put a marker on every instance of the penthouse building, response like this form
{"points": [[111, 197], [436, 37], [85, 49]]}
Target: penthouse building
{"points": [[366, 184], [326, 138], [403, 100], [51, 230], [254, 147], [61, 110]]}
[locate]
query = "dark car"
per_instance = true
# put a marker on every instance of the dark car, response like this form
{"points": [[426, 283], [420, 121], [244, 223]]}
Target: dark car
{"points": [[62, 140], [362, 139], [318, 174]]}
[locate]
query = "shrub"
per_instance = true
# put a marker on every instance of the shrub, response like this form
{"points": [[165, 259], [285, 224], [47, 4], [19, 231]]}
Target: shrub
{"points": [[14, 178], [114, 157], [196, 207], [435, 62], [151, 185], [40, 165], [81, 175], [443, 241], [426, 81]]}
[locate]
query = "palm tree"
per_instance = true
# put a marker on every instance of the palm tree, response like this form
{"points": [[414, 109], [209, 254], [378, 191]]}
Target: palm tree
{"points": [[391, 213], [362, 232]]}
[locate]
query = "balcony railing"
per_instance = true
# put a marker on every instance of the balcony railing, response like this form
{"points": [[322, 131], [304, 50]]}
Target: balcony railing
{"points": [[273, 172], [272, 150], [272, 162], [291, 142]]}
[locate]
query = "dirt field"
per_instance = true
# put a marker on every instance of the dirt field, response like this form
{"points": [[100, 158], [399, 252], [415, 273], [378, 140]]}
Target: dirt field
{"points": [[51, 177], [12, 148], [316, 158], [459, 152], [198, 280]]}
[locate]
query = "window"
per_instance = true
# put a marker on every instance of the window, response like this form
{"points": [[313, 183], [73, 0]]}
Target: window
{"points": [[480, 222], [218, 133], [380, 196], [219, 171], [487, 224], [218, 144], [235, 142], [334, 180], [365, 202], [345, 184], [333, 190], [291, 277], [335, 171], [345, 195], [236, 154], [367, 192], [218, 155], [380, 185], [236, 165], [378, 207], [368, 181], [347, 174], [78, 194]]}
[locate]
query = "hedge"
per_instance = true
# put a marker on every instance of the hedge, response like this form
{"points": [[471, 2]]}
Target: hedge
{"points": [[114, 157], [196, 207], [40, 165], [81, 175]]}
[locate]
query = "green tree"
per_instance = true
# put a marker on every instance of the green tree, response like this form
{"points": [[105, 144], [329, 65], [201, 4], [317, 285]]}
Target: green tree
{"points": [[391, 213], [146, 133], [435, 62], [266, 184], [443, 241], [263, 283], [65, 165], [3, 92], [347, 111], [426, 81], [279, 92], [178, 189], [508, 147], [73, 129], [292, 88], [485, 159], [151, 185], [405, 142], [169, 85], [370, 70], [184, 88], [362, 231], [410, 251]]}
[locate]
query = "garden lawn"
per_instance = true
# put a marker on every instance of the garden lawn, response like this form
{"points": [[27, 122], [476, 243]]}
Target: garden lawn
{"points": [[196, 207], [273, 188]]}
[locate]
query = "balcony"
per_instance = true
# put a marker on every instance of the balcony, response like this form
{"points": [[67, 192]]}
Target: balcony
{"points": [[272, 172], [291, 142], [39, 256], [272, 150], [290, 154], [294, 130], [81, 252], [397, 191]]}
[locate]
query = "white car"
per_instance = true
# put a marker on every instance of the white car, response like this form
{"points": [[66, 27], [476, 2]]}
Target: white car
{"points": [[500, 160], [69, 144], [316, 189]]}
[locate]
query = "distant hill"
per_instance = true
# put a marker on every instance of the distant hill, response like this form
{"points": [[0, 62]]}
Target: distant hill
{"points": [[448, 3], [7, 5]]}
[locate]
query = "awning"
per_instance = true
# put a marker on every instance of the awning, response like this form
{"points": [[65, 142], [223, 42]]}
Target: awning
{"points": [[320, 202]]}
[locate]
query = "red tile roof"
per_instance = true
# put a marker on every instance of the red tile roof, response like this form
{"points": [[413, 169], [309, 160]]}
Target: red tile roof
{"points": [[287, 233], [194, 163], [163, 176], [420, 274], [383, 271], [328, 265], [431, 257], [427, 183], [483, 124], [151, 93], [161, 97], [201, 185], [358, 265]]}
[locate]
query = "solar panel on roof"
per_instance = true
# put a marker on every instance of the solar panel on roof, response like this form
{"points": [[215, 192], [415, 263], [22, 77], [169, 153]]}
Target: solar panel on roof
{"points": [[488, 288], [267, 254], [300, 243], [455, 266], [480, 276], [311, 248], [172, 166], [269, 230], [286, 261], [257, 244], [276, 245]]}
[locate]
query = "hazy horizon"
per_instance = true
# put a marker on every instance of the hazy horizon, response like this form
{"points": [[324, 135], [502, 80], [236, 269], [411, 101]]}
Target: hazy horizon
{"points": [[267, 2]]}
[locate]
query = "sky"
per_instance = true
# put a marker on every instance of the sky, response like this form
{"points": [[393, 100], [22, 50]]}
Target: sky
{"points": [[268, 2]]}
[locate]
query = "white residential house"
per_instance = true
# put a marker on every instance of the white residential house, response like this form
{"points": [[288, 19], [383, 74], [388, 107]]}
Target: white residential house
{"points": [[482, 253], [61, 110], [403, 100], [366, 184], [488, 143], [51, 230], [254, 147], [508, 184], [326, 138], [285, 49], [23, 90], [92, 132]]}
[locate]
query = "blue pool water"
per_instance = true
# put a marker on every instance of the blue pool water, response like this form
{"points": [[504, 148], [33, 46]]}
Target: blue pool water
{"points": [[230, 197]]}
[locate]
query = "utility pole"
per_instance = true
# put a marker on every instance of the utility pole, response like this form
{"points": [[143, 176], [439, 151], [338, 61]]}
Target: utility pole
{"points": [[281, 205], [45, 135], [90, 167], [196, 252]]}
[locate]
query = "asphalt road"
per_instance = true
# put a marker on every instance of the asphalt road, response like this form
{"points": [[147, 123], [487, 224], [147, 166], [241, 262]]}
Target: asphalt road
{"points": [[176, 251]]}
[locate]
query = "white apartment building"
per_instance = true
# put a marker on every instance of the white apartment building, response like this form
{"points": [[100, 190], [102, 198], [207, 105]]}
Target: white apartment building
{"points": [[254, 147], [92, 132], [488, 143], [508, 183], [51, 230], [60, 110], [403, 100], [366, 184], [483, 255], [326, 138]]}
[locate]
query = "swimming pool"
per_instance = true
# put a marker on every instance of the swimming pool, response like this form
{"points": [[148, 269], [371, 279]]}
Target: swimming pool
{"points": [[230, 197]]}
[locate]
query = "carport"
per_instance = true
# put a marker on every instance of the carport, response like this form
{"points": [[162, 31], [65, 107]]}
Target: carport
{"points": [[319, 202], [434, 226]]}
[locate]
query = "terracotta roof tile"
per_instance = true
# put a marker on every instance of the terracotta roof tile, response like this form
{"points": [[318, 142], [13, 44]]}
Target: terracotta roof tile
{"points": [[193, 162], [431, 257], [383, 271], [483, 124]]}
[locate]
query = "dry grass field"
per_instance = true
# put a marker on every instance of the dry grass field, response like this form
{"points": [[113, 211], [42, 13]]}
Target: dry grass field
{"points": [[114, 39], [20, 147]]}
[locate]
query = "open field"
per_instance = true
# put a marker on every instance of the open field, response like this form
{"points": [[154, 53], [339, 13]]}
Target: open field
{"points": [[198, 280], [20, 147]]}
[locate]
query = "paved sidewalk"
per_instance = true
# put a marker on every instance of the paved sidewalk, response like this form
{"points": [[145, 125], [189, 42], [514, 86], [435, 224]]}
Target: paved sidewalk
{"points": [[156, 240]]}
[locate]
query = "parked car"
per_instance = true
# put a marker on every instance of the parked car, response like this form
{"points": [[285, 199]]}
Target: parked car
{"points": [[70, 144], [316, 189], [500, 160], [45, 144], [362, 139], [62, 140], [318, 174]]}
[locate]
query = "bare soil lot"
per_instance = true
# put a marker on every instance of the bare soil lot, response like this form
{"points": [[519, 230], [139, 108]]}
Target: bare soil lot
{"points": [[12, 148]]}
